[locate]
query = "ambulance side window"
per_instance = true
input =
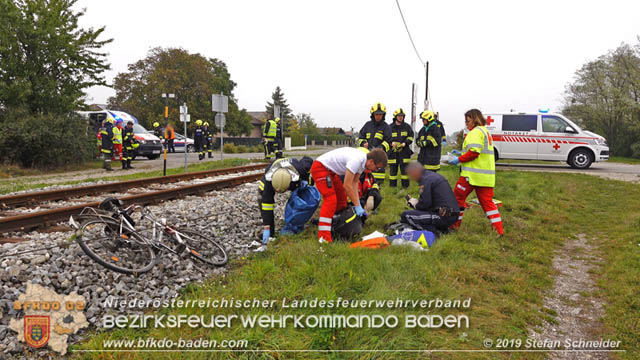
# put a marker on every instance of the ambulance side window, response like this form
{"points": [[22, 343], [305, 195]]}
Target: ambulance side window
{"points": [[553, 124], [519, 122]]}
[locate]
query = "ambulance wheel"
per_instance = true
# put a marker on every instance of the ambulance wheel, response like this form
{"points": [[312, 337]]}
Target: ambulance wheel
{"points": [[152, 157], [580, 159], [191, 148]]}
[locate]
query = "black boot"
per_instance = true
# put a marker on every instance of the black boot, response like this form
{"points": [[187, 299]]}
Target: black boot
{"points": [[124, 164], [129, 164], [210, 155]]}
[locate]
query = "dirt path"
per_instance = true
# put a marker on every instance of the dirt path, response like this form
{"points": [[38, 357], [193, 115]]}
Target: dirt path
{"points": [[578, 311]]}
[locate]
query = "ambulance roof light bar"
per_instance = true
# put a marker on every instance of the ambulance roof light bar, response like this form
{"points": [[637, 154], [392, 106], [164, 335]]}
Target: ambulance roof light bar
{"points": [[543, 111]]}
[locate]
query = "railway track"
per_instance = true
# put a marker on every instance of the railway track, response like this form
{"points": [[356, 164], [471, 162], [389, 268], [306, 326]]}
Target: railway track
{"points": [[40, 219], [30, 198]]}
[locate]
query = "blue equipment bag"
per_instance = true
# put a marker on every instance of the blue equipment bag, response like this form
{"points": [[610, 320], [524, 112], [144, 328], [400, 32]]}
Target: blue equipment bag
{"points": [[301, 205], [425, 238]]}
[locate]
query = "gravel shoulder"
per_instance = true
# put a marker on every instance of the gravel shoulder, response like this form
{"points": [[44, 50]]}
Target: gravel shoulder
{"points": [[577, 310]]}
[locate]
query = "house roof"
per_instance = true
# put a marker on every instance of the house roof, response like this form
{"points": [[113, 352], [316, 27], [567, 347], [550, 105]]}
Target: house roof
{"points": [[257, 117]]}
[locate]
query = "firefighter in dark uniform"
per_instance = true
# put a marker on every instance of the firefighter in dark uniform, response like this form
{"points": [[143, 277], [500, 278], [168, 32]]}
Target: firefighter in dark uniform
{"points": [[429, 141], [269, 137], [376, 134], [437, 208], [442, 132], [400, 152], [281, 175], [106, 137], [279, 145], [208, 139], [199, 139], [129, 144], [159, 132]]}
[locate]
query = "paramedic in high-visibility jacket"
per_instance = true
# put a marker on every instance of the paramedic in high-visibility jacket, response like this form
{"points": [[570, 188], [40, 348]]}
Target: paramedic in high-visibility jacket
{"points": [[478, 169], [327, 171], [376, 134], [281, 175], [429, 141]]}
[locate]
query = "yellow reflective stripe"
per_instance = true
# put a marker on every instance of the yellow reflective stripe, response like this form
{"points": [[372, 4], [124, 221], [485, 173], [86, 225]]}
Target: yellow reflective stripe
{"points": [[375, 186], [378, 175], [404, 177], [479, 171], [393, 134], [378, 136], [368, 135], [409, 138], [260, 185], [268, 207], [366, 151], [385, 145], [407, 160], [392, 161], [433, 141], [432, 167], [350, 219], [393, 177], [361, 141]]}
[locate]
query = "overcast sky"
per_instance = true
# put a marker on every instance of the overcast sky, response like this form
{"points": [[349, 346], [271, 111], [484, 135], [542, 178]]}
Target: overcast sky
{"points": [[334, 58]]}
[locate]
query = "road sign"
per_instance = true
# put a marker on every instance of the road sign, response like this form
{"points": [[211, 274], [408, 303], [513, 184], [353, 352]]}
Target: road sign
{"points": [[220, 103], [185, 117], [184, 109], [221, 120]]}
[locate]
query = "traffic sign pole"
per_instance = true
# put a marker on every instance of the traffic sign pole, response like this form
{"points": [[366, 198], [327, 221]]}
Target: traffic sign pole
{"points": [[220, 104]]}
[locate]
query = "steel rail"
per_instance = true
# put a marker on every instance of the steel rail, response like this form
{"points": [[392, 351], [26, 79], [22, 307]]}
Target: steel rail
{"points": [[40, 219], [35, 197]]}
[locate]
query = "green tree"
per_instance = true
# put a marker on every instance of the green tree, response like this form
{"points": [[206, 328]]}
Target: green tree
{"points": [[605, 98], [277, 98], [306, 123], [46, 58], [192, 77]]}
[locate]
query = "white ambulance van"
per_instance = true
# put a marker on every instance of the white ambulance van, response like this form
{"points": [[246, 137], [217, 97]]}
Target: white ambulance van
{"points": [[544, 136]]}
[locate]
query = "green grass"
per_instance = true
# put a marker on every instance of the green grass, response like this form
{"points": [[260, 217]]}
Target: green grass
{"points": [[12, 171], [624, 160], [506, 277], [13, 185]]}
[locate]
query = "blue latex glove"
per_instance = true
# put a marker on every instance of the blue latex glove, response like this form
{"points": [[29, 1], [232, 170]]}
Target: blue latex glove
{"points": [[266, 234], [444, 143], [454, 161], [304, 183], [456, 152], [360, 211]]}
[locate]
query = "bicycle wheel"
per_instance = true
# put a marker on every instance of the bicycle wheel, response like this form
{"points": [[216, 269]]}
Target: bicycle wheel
{"points": [[204, 248], [123, 253]]}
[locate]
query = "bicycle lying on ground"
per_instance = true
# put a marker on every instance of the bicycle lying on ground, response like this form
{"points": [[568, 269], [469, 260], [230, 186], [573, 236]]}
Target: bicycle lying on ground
{"points": [[109, 236]]}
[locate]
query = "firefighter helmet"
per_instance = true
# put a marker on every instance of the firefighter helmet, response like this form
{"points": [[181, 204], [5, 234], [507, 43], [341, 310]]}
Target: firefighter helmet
{"points": [[398, 112], [378, 108], [198, 122], [277, 120], [110, 120], [206, 123], [280, 180], [427, 115], [156, 124]]}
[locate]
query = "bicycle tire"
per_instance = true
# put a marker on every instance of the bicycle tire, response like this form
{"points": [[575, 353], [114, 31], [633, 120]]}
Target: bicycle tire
{"points": [[83, 242], [194, 240]]}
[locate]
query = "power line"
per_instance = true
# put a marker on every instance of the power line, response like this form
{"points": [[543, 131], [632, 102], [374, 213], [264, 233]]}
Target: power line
{"points": [[408, 33]]}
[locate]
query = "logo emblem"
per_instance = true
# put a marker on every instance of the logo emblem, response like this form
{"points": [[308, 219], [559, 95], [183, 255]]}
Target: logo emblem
{"points": [[36, 330]]}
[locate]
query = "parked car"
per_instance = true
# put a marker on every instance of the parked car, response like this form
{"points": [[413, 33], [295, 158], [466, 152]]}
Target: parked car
{"points": [[150, 145], [179, 143]]}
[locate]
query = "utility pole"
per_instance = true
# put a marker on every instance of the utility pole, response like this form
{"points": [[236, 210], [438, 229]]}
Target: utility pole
{"points": [[414, 101], [166, 123], [426, 89], [220, 104]]}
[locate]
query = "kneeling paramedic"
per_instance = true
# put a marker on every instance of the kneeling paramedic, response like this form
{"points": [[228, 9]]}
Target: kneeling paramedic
{"points": [[326, 172], [436, 209], [282, 175], [477, 169]]}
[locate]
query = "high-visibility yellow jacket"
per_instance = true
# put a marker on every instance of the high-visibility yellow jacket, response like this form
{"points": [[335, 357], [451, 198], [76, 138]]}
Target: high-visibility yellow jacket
{"points": [[117, 135], [270, 129], [482, 170]]}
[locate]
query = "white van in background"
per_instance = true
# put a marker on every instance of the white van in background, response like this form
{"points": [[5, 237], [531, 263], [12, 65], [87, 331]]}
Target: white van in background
{"points": [[544, 136]]}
